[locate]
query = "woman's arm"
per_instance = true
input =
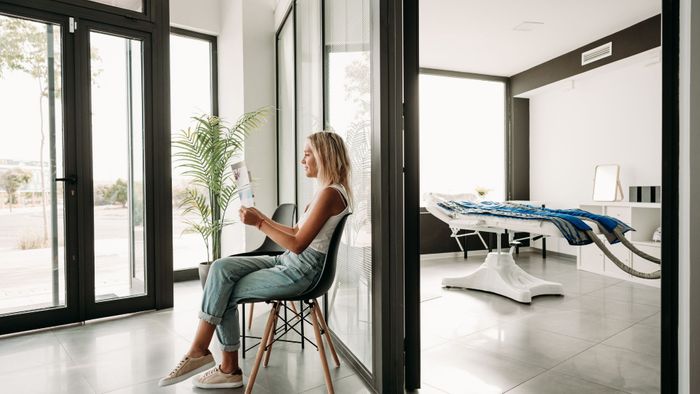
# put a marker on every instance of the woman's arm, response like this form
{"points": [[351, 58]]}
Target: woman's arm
{"points": [[278, 226], [329, 203]]}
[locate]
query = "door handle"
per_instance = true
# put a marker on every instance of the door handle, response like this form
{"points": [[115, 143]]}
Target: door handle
{"points": [[70, 179]]}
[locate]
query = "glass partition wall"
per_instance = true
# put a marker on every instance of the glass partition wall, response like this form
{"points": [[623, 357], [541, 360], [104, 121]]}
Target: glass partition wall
{"points": [[323, 82], [347, 112]]}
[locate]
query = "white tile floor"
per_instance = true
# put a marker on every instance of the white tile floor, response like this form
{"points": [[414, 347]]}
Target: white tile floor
{"points": [[129, 354], [602, 336]]}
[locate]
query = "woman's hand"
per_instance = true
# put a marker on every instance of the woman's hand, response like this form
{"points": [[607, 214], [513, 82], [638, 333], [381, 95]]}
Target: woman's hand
{"points": [[262, 215], [251, 216]]}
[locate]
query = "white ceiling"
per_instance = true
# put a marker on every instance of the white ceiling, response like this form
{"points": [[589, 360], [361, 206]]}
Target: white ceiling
{"points": [[478, 36]]}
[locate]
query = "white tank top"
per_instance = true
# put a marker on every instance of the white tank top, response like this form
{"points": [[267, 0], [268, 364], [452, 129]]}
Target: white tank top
{"points": [[323, 238]]}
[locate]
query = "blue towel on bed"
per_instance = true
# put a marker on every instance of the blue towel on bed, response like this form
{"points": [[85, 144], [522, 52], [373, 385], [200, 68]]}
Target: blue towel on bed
{"points": [[568, 221]]}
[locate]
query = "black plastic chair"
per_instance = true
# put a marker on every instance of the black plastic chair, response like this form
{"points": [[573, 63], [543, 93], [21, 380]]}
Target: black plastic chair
{"points": [[284, 214], [309, 297]]}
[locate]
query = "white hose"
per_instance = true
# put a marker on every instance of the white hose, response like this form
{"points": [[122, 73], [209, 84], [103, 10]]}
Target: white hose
{"points": [[620, 264], [633, 248]]}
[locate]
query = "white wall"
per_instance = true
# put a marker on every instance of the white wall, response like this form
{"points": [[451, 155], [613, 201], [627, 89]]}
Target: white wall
{"points": [[280, 11], [246, 83], [200, 15], [612, 116], [689, 202]]}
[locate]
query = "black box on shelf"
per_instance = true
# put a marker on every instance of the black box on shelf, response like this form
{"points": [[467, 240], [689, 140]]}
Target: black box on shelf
{"points": [[645, 194]]}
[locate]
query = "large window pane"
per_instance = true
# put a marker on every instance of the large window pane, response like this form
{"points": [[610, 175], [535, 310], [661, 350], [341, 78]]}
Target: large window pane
{"points": [[462, 138], [348, 113], [32, 254], [310, 83], [286, 104], [118, 166], [191, 76]]}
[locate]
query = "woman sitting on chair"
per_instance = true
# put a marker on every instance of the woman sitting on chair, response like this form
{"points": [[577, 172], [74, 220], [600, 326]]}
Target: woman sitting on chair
{"points": [[232, 279]]}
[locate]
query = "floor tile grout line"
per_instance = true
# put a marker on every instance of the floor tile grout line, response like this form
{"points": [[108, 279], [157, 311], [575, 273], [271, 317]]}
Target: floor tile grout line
{"points": [[584, 350], [435, 388], [75, 364], [334, 382], [563, 373]]}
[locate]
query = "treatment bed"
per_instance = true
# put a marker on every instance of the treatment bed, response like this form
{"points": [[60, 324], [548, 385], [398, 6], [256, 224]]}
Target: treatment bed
{"points": [[499, 274]]}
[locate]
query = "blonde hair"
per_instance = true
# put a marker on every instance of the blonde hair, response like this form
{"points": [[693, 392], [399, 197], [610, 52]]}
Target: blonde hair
{"points": [[332, 159]]}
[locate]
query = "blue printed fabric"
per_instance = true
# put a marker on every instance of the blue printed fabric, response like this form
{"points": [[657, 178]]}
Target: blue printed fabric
{"points": [[568, 221]]}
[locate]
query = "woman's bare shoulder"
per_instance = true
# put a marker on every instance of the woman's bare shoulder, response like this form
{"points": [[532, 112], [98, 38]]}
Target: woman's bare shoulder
{"points": [[331, 198]]}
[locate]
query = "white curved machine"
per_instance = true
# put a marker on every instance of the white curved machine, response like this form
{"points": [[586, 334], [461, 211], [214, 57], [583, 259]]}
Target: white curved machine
{"points": [[498, 274]]}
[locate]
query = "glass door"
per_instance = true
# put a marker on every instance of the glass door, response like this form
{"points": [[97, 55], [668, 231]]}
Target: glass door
{"points": [[38, 253], [75, 100], [114, 143]]}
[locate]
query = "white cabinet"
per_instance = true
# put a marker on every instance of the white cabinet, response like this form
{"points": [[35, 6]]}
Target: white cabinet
{"points": [[644, 218]]}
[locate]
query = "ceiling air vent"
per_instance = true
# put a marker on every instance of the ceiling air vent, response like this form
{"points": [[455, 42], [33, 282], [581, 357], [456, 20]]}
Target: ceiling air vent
{"points": [[596, 54]]}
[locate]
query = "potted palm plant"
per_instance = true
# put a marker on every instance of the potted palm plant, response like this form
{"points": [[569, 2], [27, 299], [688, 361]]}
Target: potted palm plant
{"points": [[206, 152]]}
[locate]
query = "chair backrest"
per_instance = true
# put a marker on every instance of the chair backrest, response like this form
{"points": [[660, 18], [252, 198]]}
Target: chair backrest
{"points": [[325, 280], [284, 214]]}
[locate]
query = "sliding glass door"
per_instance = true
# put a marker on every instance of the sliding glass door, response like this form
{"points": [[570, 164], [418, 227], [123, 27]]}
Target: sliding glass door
{"points": [[76, 236]]}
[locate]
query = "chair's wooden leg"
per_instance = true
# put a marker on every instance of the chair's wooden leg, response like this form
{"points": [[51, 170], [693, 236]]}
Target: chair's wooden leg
{"points": [[294, 309], [250, 317], [271, 339], [261, 351], [321, 350], [324, 325]]}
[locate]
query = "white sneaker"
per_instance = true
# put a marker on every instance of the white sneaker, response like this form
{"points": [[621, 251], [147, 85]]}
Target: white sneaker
{"points": [[216, 379], [188, 366]]}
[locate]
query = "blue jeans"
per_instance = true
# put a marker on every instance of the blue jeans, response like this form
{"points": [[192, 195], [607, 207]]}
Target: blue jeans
{"points": [[232, 279]]}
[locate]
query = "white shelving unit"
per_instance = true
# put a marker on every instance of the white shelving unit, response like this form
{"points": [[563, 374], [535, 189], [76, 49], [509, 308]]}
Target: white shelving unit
{"points": [[644, 218]]}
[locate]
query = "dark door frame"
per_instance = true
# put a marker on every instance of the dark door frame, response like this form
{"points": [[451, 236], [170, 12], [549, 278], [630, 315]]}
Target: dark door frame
{"points": [[392, 61]]}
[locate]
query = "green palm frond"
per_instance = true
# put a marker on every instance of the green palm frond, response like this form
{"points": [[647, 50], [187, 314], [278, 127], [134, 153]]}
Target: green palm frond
{"points": [[204, 153]]}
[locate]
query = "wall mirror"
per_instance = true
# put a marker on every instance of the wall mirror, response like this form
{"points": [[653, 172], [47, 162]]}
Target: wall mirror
{"points": [[606, 183]]}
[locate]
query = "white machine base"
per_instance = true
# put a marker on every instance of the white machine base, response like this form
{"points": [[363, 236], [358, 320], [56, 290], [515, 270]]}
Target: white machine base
{"points": [[499, 274]]}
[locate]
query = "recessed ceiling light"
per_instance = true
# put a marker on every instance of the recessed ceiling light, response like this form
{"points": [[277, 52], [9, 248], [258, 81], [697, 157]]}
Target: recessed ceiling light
{"points": [[528, 26]]}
